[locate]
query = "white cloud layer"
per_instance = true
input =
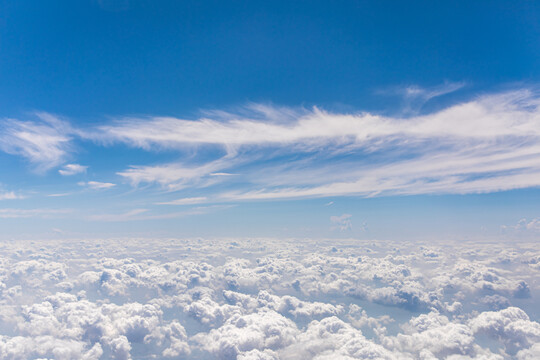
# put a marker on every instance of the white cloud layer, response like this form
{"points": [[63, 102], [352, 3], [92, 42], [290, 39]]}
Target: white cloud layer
{"points": [[268, 299], [484, 145], [487, 144]]}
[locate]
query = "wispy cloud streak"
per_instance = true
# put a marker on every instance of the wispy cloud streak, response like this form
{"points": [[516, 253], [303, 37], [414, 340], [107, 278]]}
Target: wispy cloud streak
{"points": [[488, 144], [32, 213], [45, 142]]}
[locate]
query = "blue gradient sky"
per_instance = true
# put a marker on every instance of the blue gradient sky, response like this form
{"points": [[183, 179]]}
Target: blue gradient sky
{"points": [[306, 118]]}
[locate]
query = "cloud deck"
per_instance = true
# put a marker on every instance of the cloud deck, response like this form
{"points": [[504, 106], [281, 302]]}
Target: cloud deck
{"points": [[268, 299]]}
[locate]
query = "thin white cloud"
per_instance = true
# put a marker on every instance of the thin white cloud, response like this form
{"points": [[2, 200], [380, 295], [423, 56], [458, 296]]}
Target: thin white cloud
{"points": [[487, 144], [185, 201], [143, 214], [342, 222], [414, 97], [45, 142], [72, 169], [118, 217], [221, 174], [59, 194], [499, 115], [176, 176], [30, 213], [96, 185], [198, 210], [10, 195], [415, 91], [524, 225]]}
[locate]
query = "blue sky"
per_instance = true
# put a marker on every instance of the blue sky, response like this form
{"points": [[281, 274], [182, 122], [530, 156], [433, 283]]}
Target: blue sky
{"points": [[315, 119]]}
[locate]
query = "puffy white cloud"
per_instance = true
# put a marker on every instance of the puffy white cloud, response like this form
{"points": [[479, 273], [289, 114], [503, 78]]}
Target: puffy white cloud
{"points": [[267, 299], [434, 336], [529, 354], [511, 326], [523, 225], [242, 333], [332, 338]]}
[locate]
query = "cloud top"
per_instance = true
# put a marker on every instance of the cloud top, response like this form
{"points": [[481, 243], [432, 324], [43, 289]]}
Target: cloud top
{"points": [[267, 299]]}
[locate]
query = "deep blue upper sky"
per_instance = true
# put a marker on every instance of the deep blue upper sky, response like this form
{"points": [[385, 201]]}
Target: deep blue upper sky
{"points": [[245, 150], [87, 59]]}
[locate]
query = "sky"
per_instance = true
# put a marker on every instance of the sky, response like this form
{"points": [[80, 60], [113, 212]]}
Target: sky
{"points": [[291, 119]]}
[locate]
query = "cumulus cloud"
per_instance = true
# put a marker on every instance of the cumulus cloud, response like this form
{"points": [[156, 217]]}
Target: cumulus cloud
{"points": [[523, 225], [266, 299], [511, 326]]}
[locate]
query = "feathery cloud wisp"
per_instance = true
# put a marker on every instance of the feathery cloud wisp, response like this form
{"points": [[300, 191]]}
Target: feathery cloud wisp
{"points": [[185, 201], [487, 144], [45, 142]]}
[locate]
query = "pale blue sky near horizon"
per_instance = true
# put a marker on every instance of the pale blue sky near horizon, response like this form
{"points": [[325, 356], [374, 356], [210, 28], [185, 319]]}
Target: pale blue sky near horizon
{"points": [[369, 119]]}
